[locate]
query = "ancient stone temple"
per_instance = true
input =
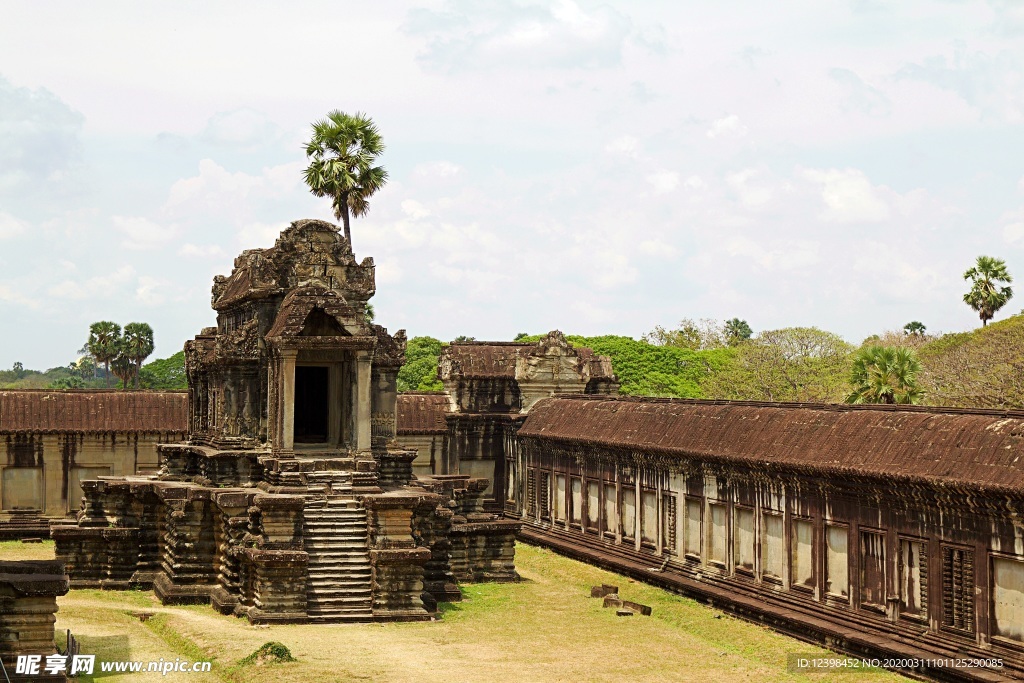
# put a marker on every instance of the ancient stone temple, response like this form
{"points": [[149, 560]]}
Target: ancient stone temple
{"points": [[291, 500]]}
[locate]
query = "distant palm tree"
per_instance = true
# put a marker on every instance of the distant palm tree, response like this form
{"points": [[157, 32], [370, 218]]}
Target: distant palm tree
{"points": [[104, 343], [736, 331], [986, 296], [122, 367], [342, 152], [885, 374], [915, 327], [138, 346]]}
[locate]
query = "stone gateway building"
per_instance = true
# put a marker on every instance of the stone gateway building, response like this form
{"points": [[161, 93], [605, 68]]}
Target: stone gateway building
{"points": [[290, 500]]}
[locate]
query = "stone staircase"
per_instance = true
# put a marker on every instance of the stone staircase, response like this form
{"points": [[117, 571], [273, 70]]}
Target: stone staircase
{"points": [[338, 587], [336, 482]]}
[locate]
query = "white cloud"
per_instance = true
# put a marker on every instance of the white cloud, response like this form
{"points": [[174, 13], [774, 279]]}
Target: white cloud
{"points": [[15, 296], [751, 191], [241, 128], [792, 255], [727, 126], [849, 196], [441, 170], [1013, 226], [233, 196], [254, 235], [663, 181], [11, 226], [39, 141], [469, 36], [97, 287], [658, 249], [991, 82], [201, 250], [142, 233], [627, 146], [149, 291], [414, 209]]}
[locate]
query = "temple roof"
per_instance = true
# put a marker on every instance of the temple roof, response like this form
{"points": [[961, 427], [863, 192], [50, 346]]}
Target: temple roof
{"points": [[93, 411], [422, 412], [498, 360], [307, 253], [981, 448]]}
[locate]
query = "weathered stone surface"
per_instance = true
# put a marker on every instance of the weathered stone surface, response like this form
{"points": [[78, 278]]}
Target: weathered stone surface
{"points": [[28, 602], [290, 501], [637, 607]]}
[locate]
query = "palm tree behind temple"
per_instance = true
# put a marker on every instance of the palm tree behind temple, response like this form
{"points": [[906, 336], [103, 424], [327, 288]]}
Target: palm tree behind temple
{"points": [[342, 152]]}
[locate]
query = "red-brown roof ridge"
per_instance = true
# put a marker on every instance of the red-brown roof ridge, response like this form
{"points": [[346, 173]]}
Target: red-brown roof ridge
{"points": [[92, 410], [981, 448]]}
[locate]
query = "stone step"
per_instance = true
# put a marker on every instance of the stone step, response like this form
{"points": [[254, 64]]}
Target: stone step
{"points": [[339, 563], [336, 543], [340, 616], [314, 601], [322, 514], [354, 524], [345, 589], [353, 588]]}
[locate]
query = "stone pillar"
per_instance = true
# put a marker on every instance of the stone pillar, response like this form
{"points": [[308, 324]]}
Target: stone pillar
{"points": [[362, 403], [28, 601], [234, 530], [287, 377], [278, 585], [396, 561], [189, 569]]}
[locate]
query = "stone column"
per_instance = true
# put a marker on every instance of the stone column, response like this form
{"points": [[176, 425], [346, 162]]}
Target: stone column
{"points": [[28, 601], [362, 402], [287, 378]]}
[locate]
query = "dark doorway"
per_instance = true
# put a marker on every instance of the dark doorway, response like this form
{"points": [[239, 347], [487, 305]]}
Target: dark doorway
{"points": [[311, 404]]}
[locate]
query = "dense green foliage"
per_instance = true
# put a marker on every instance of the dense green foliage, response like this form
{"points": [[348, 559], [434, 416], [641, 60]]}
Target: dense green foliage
{"points": [[646, 369], [981, 369], [71, 376], [799, 364], [165, 373], [885, 374], [420, 370]]}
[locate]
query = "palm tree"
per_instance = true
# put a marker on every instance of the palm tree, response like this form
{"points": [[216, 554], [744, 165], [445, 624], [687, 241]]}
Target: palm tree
{"points": [[342, 152], [986, 296], [138, 343], [915, 327], [104, 343], [122, 366], [736, 331], [885, 374]]}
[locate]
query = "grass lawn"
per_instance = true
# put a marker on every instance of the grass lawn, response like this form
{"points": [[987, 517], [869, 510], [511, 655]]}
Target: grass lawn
{"points": [[546, 628]]}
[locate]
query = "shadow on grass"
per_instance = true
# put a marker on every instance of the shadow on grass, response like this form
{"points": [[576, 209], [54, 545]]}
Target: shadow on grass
{"points": [[106, 649], [444, 608]]}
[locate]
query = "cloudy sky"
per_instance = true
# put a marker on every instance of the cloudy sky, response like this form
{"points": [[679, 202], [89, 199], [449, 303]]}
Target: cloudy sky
{"points": [[596, 167]]}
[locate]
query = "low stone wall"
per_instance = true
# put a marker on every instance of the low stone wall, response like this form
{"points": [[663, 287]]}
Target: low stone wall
{"points": [[28, 602]]}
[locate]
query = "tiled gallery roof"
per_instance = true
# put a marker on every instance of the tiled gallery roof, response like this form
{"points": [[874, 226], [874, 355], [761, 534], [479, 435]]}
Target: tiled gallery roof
{"points": [[93, 411], [978, 447]]}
